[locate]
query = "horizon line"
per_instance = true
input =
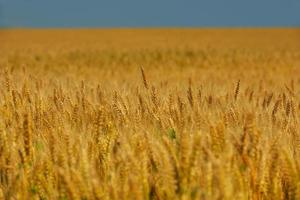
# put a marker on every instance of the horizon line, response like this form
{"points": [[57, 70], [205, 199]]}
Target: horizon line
{"points": [[150, 27]]}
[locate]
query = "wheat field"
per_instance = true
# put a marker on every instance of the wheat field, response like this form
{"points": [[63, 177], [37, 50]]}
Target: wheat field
{"points": [[150, 114]]}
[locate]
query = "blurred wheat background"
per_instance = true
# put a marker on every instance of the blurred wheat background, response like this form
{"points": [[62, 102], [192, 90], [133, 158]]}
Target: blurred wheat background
{"points": [[150, 114]]}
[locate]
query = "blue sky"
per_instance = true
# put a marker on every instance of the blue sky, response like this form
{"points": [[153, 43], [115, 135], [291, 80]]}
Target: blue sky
{"points": [[149, 13]]}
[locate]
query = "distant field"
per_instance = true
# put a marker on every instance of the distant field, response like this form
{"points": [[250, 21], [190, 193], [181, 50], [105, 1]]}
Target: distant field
{"points": [[150, 114]]}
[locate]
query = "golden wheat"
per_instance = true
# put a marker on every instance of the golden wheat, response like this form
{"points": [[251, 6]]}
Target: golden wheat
{"points": [[212, 114]]}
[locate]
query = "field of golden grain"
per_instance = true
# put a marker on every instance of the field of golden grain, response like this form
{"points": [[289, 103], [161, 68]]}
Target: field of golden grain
{"points": [[144, 114]]}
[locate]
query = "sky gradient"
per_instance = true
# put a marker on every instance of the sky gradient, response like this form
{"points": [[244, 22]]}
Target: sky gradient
{"points": [[149, 13]]}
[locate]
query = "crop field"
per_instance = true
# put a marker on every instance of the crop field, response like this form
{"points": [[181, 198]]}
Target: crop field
{"points": [[150, 114]]}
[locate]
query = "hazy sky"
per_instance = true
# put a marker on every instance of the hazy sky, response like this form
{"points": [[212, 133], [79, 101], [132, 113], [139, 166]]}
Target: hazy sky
{"points": [[143, 13]]}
